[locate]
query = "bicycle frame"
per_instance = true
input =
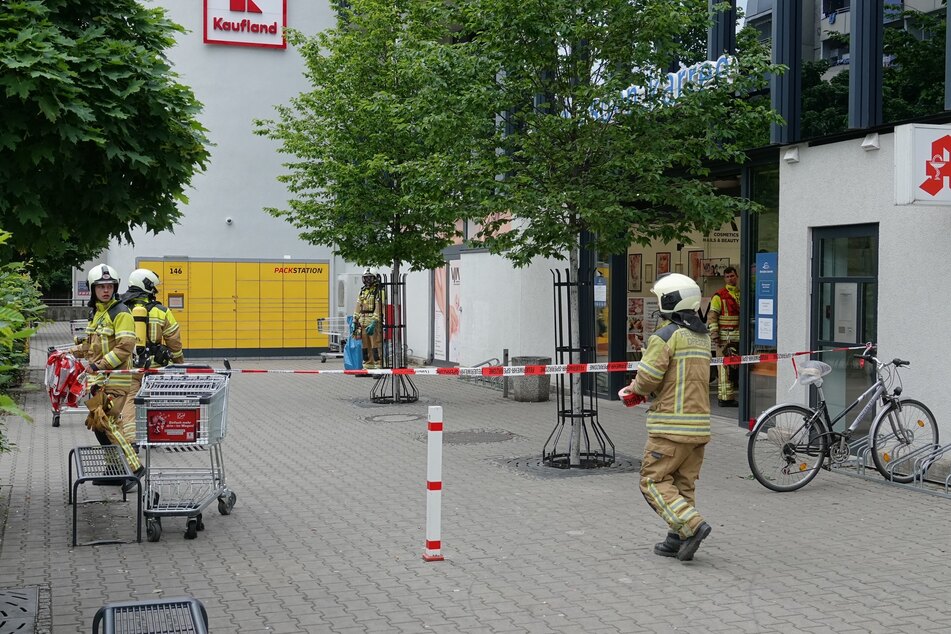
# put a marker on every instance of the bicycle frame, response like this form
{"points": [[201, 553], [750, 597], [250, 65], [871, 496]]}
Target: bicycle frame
{"points": [[878, 390]]}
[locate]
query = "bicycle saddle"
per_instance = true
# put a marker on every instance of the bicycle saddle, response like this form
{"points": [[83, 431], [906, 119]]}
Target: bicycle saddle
{"points": [[811, 372]]}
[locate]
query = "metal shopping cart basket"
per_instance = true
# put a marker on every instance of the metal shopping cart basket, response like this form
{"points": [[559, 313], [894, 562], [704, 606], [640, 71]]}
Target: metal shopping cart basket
{"points": [[183, 406], [337, 331]]}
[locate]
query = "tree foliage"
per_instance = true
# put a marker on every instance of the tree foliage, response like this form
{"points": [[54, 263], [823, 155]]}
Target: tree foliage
{"points": [[382, 142], [575, 155], [97, 136]]}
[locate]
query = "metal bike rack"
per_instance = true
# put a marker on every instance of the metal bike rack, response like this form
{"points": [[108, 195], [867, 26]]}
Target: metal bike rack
{"points": [[923, 459]]}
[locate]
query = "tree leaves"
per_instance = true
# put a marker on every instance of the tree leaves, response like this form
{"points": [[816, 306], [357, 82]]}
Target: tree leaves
{"points": [[98, 137]]}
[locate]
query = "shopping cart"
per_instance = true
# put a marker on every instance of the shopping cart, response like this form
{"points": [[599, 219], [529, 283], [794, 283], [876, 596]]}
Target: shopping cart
{"points": [[183, 405], [337, 331], [65, 381]]}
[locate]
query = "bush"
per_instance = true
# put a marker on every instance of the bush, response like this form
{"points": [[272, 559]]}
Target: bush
{"points": [[20, 310]]}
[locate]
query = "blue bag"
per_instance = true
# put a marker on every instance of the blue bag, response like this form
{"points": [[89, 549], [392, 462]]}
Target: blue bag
{"points": [[352, 352]]}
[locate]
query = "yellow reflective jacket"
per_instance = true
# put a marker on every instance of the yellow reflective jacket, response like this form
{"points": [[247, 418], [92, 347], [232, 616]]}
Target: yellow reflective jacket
{"points": [[725, 318], [109, 343], [676, 368], [163, 329]]}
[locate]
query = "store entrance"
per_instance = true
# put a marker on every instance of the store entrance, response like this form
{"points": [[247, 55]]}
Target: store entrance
{"points": [[844, 301]]}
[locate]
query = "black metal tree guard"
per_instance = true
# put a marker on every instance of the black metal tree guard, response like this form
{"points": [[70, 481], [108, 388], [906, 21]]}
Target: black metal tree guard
{"points": [[394, 387], [557, 451]]}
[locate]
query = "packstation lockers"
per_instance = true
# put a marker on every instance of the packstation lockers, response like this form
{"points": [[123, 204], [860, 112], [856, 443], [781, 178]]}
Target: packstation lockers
{"points": [[245, 307]]}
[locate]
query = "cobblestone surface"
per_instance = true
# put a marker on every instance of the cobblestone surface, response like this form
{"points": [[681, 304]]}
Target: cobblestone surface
{"points": [[328, 530]]}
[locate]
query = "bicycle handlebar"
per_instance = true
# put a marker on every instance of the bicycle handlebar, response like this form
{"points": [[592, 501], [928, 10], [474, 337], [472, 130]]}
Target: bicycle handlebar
{"points": [[898, 363]]}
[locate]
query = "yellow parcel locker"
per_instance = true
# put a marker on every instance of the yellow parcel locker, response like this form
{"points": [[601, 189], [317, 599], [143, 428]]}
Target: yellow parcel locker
{"points": [[201, 324], [224, 287], [272, 305], [295, 308], [247, 305]]}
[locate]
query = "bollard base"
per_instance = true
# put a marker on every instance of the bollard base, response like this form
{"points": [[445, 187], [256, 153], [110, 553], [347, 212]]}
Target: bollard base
{"points": [[433, 557]]}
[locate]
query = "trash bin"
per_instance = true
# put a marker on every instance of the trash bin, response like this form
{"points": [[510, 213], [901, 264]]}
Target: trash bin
{"points": [[535, 388]]}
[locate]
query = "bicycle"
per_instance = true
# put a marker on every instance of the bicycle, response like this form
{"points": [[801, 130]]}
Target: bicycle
{"points": [[789, 442]]}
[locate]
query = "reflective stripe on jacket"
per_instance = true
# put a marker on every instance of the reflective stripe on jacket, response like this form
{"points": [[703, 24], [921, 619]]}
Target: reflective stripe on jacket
{"points": [[109, 343], [676, 368]]}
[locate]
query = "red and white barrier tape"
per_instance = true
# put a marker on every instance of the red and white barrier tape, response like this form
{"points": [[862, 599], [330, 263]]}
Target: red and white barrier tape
{"points": [[515, 370]]}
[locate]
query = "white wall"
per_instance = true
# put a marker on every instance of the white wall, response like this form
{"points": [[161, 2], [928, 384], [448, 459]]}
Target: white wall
{"points": [[841, 184], [236, 85]]}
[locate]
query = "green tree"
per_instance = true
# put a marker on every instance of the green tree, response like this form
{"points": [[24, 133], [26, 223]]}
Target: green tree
{"points": [[384, 138], [97, 136], [579, 158]]}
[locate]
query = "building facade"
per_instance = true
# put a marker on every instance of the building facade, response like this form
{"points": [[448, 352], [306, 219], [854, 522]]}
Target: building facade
{"points": [[853, 266]]}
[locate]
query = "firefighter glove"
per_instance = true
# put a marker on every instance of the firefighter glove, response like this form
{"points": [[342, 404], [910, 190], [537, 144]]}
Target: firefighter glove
{"points": [[371, 328], [97, 420]]}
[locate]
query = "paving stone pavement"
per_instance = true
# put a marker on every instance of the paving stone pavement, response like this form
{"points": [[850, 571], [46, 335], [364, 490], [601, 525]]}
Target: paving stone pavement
{"points": [[328, 530]]}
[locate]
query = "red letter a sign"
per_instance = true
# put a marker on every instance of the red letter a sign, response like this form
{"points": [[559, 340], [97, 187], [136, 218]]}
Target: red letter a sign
{"points": [[245, 6]]}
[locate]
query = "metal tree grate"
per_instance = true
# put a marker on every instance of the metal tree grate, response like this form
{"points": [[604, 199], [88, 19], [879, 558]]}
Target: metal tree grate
{"points": [[18, 608]]}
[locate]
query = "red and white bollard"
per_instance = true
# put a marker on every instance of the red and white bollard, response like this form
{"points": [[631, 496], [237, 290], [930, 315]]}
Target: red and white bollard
{"points": [[434, 485]]}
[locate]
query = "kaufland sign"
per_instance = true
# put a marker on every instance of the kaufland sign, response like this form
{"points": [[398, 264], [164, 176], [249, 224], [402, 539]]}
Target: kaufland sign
{"points": [[923, 165], [246, 22]]}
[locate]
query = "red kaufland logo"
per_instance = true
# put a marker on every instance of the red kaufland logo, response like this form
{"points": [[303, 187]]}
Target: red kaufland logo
{"points": [[936, 168], [246, 22], [245, 6]]}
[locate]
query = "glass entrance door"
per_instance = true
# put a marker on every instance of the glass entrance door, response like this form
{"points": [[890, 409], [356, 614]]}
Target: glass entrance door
{"points": [[844, 301]]}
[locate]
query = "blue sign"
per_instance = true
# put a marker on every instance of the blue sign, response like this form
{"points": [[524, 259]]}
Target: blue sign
{"points": [[765, 310]]}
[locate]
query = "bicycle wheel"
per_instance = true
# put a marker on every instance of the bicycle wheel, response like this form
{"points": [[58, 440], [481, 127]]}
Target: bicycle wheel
{"points": [[786, 451], [897, 431]]}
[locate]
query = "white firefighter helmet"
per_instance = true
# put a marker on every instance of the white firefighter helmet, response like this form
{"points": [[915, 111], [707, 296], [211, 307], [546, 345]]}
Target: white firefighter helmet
{"points": [[144, 280], [103, 274], [676, 292]]}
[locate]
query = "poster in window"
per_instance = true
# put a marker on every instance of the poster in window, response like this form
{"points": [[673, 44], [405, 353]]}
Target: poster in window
{"points": [[663, 263], [714, 267], [695, 264], [633, 272]]}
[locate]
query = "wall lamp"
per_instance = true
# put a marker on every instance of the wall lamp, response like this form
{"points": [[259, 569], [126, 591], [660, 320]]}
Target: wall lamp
{"points": [[871, 142]]}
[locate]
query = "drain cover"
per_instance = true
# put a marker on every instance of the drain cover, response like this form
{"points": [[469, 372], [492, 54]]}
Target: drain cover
{"points": [[533, 465], [476, 436], [394, 418], [18, 609]]}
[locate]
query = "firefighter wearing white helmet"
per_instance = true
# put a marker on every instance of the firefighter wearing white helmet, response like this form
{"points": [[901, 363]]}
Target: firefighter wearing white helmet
{"points": [[676, 370], [158, 337], [109, 344]]}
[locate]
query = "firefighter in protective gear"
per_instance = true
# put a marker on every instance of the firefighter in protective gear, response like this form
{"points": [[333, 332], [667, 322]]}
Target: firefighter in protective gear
{"points": [[675, 368], [724, 322], [368, 319], [158, 337], [109, 344]]}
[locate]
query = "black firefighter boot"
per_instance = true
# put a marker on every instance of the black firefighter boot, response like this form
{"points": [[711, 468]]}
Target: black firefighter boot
{"points": [[669, 547]]}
